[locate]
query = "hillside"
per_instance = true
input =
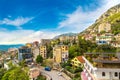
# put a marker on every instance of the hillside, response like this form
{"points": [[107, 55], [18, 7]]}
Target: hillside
{"points": [[110, 19]]}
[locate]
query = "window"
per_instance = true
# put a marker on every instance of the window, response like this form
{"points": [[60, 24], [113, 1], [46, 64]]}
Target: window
{"points": [[103, 73], [116, 74]]}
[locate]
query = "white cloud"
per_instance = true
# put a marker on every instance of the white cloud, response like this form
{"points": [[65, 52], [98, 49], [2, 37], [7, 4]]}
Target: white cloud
{"points": [[24, 36], [16, 22], [80, 20]]}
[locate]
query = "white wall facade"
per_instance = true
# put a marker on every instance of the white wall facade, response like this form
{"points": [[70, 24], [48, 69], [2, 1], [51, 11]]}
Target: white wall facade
{"points": [[94, 73]]}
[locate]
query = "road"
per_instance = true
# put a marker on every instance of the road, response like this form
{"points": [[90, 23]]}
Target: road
{"points": [[53, 74]]}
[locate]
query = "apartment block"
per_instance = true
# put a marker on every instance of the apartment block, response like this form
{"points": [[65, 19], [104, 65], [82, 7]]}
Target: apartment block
{"points": [[25, 53], [43, 51], [60, 53]]}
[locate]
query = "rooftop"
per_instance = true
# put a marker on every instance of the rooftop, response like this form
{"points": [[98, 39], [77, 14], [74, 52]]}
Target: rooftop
{"points": [[80, 58]]}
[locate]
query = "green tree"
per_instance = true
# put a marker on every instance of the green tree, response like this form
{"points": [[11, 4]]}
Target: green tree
{"points": [[106, 48], [16, 73], [22, 63], [49, 51], [41, 77], [39, 59], [2, 72]]}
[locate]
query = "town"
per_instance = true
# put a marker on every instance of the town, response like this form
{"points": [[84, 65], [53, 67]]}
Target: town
{"points": [[68, 56], [92, 54]]}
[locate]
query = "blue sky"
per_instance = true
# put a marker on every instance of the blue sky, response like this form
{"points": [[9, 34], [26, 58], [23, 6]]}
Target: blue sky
{"points": [[23, 21]]}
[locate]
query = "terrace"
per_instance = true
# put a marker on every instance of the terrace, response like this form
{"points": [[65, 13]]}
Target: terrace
{"points": [[104, 60]]}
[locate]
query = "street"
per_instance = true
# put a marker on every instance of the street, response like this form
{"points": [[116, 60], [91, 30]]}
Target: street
{"points": [[53, 74]]}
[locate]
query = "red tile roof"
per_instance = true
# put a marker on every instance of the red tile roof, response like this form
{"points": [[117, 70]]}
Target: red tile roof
{"points": [[80, 58]]}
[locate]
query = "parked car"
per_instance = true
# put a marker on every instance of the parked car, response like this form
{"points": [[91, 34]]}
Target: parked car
{"points": [[47, 68]]}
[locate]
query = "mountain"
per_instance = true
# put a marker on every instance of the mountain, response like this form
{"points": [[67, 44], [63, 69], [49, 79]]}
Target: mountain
{"points": [[66, 34], [6, 47], [110, 21]]}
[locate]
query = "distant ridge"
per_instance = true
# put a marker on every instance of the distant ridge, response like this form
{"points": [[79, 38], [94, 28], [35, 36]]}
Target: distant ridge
{"points": [[6, 47], [66, 34]]}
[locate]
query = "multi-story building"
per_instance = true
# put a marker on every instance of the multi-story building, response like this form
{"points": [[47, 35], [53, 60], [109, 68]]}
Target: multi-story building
{"points": [[60, 53], [25, 53], [35, 44], [43, 51], [36, 52], [35, 49], [101, 69]]}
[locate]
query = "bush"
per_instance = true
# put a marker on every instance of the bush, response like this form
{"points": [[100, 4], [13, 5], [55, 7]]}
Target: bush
{"points": [[79, 69], [41, 77]]}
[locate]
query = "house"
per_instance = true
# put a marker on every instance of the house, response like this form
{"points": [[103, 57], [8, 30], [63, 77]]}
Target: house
{"points": [[117, 37], [60, 53], [34, 73], [103, 69], [115, 44], [77, 61], [6, 66]]}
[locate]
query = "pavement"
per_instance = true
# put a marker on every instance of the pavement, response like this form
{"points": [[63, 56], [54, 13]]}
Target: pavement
{"points": [[53, 74]]}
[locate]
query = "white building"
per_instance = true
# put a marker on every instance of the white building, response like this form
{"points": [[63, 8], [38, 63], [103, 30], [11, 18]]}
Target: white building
{"points": [[103, 73], [104, 39]]}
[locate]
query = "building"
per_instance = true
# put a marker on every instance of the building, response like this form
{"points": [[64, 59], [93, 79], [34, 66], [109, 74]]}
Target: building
{"points": [[101, 69], [25, 53], [88, 37], [60, 53], [35, 49], [104, 39], [36, 52], [115, 44], [43, 51], [34, 73], [35, 44], [12, 52], [77, 61], [117, 37], [29, 45]]}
